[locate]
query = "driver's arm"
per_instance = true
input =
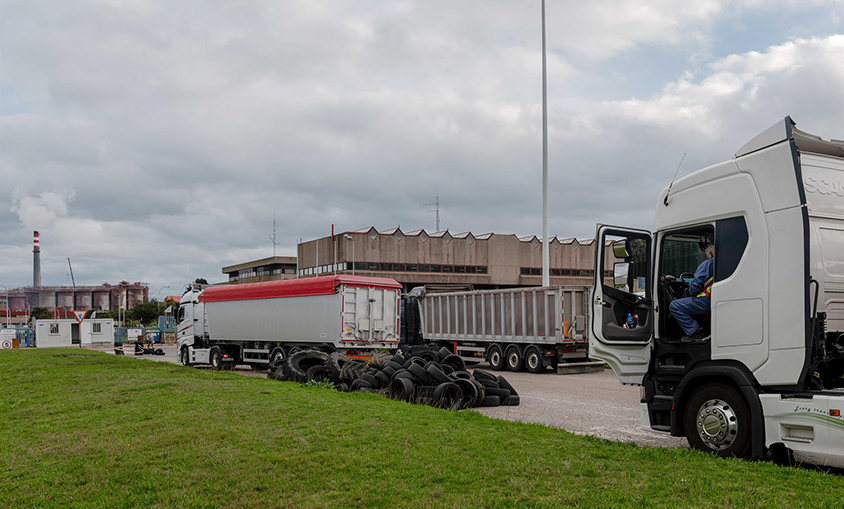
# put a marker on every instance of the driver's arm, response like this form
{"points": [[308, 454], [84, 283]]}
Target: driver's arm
{"points": [[696, 285]]}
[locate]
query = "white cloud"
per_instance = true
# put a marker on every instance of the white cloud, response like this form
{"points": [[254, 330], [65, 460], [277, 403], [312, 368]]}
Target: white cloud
{"points": [[42, 210]]}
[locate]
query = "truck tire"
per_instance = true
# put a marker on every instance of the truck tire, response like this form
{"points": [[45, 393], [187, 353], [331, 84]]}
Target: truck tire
{"points": [[481, 393], [448, 395], [533, 360], [438, 375], [504, 384], [458, 375], [445, 352], [215, 358], [470, 392], [316, 373], [501, 393], [420, 373], [300, 362], [410, 376], [490, 401], [401, 389], [277, 355], [496, 358], [511, 400], [717, 420], [515, 360], [334, 365], [480, 374], [455, 361], [184, 356]]}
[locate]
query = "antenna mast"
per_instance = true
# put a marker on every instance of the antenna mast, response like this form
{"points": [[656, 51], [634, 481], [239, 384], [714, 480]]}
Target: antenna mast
{"points": [[274, 237], [436, 208]]}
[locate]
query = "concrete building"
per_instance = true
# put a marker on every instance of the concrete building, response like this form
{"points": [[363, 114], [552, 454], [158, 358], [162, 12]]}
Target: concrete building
{"points": [[265, 269], [52, 333], [68, 298], [416, 258]]}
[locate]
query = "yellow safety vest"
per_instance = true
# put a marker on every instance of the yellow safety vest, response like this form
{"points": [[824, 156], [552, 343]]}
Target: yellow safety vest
{"points": [[707, 289]]}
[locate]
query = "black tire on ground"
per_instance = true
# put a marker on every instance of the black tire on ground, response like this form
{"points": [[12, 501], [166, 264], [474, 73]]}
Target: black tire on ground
{"points": [[465, 375], [480, 374], [184, 356], [429, 356], [455, 361], [409, 376], [401, 389], [398, 359], [215, 358], [481, 392], [501, 393], [490, 401], [341, 387], [496, 358], [533, 360], [511, 400], [489, 384], [420, 373], [316, 373], [379, 359], [389, 371], [444, 352], [352, 370], [505, 384], [446, 369], [355, 386], [300, 362], [158, 351], [334, 365], [470, 392], [432, 363], [424, 394], [383, 379], [448, 395], [392, 365], [514, 358], [371, 380], [718, 421], [437, 374]]}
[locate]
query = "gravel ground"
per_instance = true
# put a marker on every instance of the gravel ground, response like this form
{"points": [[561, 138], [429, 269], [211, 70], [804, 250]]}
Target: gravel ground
{"points": [[587, 404]]}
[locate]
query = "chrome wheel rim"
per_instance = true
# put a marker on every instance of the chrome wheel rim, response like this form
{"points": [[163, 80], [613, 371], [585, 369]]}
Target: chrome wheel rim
{"points": [[717, 424], [495, 358], [533, 361], [513, 359]]}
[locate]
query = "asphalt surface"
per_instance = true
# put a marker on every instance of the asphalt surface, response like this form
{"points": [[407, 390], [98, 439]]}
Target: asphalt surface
{"points": [[586, 404]]}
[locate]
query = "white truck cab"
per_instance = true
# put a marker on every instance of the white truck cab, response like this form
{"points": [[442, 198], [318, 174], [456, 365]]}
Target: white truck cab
{"points": [[769, 375]]}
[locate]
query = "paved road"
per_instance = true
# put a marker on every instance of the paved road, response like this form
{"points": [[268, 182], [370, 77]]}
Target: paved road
{"points": [[587, 404]]}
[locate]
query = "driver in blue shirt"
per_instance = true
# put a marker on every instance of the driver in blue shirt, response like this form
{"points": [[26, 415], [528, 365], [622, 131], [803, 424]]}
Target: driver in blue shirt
{"points": [[699, 304]]}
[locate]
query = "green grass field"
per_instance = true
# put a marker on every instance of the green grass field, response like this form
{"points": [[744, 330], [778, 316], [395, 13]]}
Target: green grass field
{"points": [[86, 429]]}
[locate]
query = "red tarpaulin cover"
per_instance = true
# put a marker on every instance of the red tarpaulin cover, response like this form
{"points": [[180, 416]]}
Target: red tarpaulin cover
{"points": [[322, 285]]}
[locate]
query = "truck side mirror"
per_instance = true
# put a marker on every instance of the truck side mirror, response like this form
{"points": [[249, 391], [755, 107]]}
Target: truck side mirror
{"points": [[621, 276], [619, 249]]}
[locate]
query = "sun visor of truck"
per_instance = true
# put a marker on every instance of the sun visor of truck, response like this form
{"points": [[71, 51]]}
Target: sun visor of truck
{"points": [[324, 285]]}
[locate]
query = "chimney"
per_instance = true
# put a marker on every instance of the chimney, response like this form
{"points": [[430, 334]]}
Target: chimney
{"points": [[36, 261]]}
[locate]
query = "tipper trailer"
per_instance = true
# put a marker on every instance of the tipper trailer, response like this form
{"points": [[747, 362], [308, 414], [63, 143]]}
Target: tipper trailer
{"points": [[515, 328], [768, 379], [256, 323]]}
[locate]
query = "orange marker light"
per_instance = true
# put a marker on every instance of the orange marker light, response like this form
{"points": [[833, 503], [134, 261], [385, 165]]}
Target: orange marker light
{"points": [[835, 413]]}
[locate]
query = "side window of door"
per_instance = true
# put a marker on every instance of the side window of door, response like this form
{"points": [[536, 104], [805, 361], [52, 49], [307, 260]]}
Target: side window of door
{"points": [[730, 242]]}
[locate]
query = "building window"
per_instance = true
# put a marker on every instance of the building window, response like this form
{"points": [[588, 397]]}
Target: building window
{"points": [[398, 267], [459, 269], [387, 266], [97, 328], [470, 269], [435, 268], [360, 266], [448, 268], [372, 266], [411, 267], [54, 328], [233, 276]]}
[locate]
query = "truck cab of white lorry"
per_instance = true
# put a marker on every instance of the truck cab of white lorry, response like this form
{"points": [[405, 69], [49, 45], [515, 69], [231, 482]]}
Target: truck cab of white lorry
{"points": [[768, 377]]}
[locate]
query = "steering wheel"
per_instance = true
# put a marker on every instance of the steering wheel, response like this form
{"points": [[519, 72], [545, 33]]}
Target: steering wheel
{"points": [[690, 275], [675, 288]]}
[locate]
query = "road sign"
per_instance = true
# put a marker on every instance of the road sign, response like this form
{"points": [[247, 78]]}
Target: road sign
{"points": [[79, 315]]}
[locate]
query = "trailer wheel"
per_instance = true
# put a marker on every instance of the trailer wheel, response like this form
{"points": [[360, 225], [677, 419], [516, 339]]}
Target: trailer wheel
{"points": [[277, 355], [496, 358], [515, 361], [216, 359], [533, 360], [184, 356], [718, 421]]}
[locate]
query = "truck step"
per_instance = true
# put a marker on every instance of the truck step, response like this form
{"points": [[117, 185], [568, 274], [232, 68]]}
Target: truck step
{"points": [[663, 396], [575, 368], [255, 350], [661, 427], [672, 367]]}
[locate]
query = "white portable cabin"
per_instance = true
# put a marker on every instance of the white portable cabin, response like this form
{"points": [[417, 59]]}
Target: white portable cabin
{"points": [[53, 333]]}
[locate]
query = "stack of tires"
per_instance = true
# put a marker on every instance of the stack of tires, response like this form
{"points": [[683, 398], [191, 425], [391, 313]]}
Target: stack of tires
{"points": [[436, 378]]}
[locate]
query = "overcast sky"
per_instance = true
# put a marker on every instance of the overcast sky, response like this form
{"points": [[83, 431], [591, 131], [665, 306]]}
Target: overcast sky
{"points": [[151, 140]]}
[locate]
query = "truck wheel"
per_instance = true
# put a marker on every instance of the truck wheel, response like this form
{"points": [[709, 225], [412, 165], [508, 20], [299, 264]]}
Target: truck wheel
{"points": [[718, 421], [533, 360], [496, 358], [216, 359], [515, 361], [277, 355], [184, 356]]}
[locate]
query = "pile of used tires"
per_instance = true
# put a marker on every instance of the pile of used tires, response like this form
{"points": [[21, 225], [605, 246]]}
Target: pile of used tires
{"points": [[436, 378]]}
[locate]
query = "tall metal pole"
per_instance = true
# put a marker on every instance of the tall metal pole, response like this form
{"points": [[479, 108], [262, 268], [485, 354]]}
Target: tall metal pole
{"points": [[546, 262], [7, 304]]}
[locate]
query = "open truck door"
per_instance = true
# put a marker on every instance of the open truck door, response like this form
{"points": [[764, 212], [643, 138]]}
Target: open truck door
{"points": [[622, 312]]}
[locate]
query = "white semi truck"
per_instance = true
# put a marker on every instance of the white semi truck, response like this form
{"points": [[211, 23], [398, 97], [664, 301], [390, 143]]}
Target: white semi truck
{"points": [[256, 323], [768, 380]]}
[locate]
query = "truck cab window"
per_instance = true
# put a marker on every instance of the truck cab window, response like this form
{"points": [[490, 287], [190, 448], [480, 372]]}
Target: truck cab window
{"points": [[681, 253], [730, 242]]}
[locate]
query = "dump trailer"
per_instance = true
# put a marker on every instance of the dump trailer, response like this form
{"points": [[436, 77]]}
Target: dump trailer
{"points": [[256, 323], [760, 372], [516, 329]]}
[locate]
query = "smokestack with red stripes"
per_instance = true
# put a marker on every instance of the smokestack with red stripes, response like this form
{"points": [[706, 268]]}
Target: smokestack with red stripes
{"points": [[36, 260]]}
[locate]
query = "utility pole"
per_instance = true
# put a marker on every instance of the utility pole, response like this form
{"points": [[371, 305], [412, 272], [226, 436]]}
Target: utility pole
{"points": [[72, 280], [274, 237], [546, 262], [436, 208]]}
